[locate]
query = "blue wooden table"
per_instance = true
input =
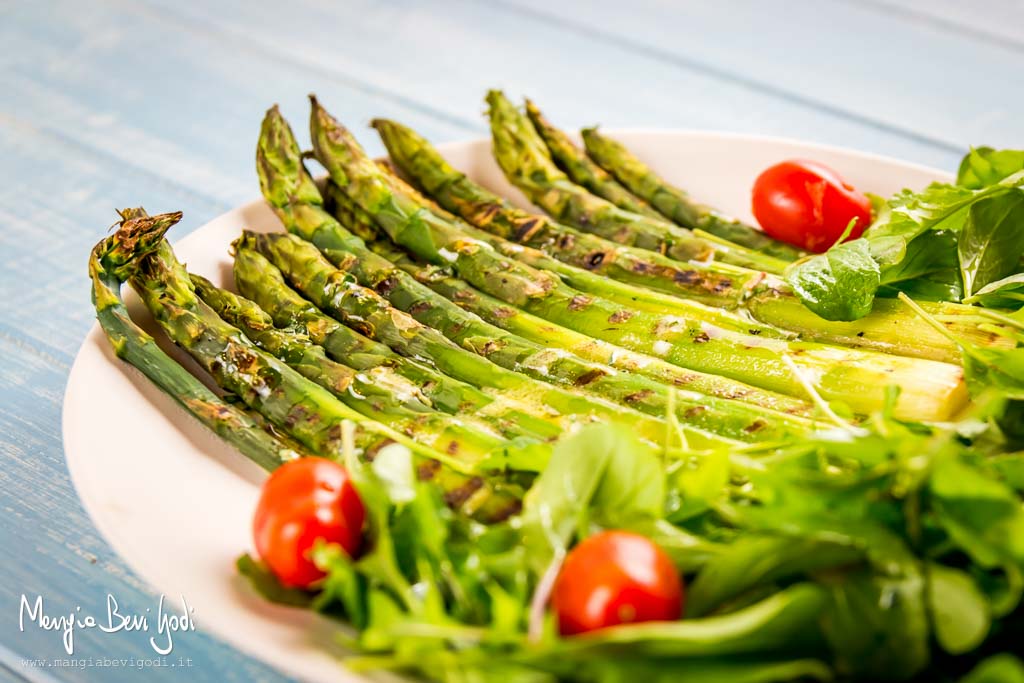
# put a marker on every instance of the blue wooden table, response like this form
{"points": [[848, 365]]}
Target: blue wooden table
{"points": [[113, 103]]}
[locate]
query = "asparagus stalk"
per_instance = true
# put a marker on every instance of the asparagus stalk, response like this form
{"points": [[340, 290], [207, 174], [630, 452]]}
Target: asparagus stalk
{"points": [[550, 361], [128, 253], [349, 252], [290, 189], [930, 390], [673, 202], [311, 361], [524, 158], [582, 170], [581, 259], [380, 393], [725, 417], [338, 293], [598, 279], [887, 328], [259, 280], [109, 265], [595, 350], [301, 408]]}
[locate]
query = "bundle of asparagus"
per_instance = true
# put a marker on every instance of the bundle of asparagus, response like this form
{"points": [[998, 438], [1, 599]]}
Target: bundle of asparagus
{"points": [[930, 390]]}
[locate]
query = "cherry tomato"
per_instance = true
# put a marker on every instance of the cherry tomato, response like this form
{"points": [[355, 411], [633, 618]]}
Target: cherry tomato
{"points": [[301, 501], [616, 577], [807, 204]]}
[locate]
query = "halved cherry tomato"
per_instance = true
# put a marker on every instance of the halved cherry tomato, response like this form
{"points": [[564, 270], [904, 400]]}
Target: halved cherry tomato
{"points": [[302, 501], [616, 577], [807, 204]]}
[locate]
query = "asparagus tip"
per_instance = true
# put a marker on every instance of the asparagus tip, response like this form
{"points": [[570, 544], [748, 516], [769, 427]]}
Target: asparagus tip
{"points": [[495, 96], [138, 235], [247, 240]]}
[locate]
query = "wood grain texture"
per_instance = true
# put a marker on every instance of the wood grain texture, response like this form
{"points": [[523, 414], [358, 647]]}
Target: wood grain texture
{"points": [[884, 69], [116, 103], [994, 21]]}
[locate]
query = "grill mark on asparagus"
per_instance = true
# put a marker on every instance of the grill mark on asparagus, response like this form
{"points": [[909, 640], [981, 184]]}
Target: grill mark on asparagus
{"points": [[460, 494], [620, 316], [579, 302], [427, 470], [588, 377]]}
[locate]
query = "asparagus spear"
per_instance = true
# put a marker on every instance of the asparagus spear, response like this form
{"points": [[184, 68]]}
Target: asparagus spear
{"points": [[261, 281], [595, 350], [126, 253], [524, 158], [109, 265], [598, 279], [673, 202], [301, 408], [930, 390], [337, 293], [888, 328], [552, 360], [310, 360], [349, 252], [728, 418], [580, 258], [380, 393], [582, 170]]}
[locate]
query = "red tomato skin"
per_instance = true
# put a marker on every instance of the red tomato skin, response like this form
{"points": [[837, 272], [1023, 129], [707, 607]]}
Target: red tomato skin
{"points": [[616, 577], [808, 204], [301, 501]]}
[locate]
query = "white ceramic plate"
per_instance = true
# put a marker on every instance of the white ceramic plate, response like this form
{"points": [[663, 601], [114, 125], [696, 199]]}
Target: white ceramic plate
{"points": [[176, 502]]}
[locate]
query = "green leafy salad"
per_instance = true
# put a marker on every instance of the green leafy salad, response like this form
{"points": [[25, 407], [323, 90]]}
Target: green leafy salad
{"points": [[630, 438]]}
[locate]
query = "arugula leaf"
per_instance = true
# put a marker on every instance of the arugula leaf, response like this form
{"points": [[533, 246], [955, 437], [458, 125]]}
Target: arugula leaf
{"points": [[1005, 293], [342, 584], [982, 515], [603, 471], [267, 585], [1010, 468], [1002, 668], [929, 263], [992, 240], [841, 284], [877, 626], [961, 615], [984, 166], [783, 622], [756, 560], [698, 483]]}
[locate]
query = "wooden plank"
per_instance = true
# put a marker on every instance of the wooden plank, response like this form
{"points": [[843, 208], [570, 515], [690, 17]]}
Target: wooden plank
{"points": [[185, 108], [995, 21], [50, 220], [159, 105], [88, 122], [452, 57], [894, 72]]}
